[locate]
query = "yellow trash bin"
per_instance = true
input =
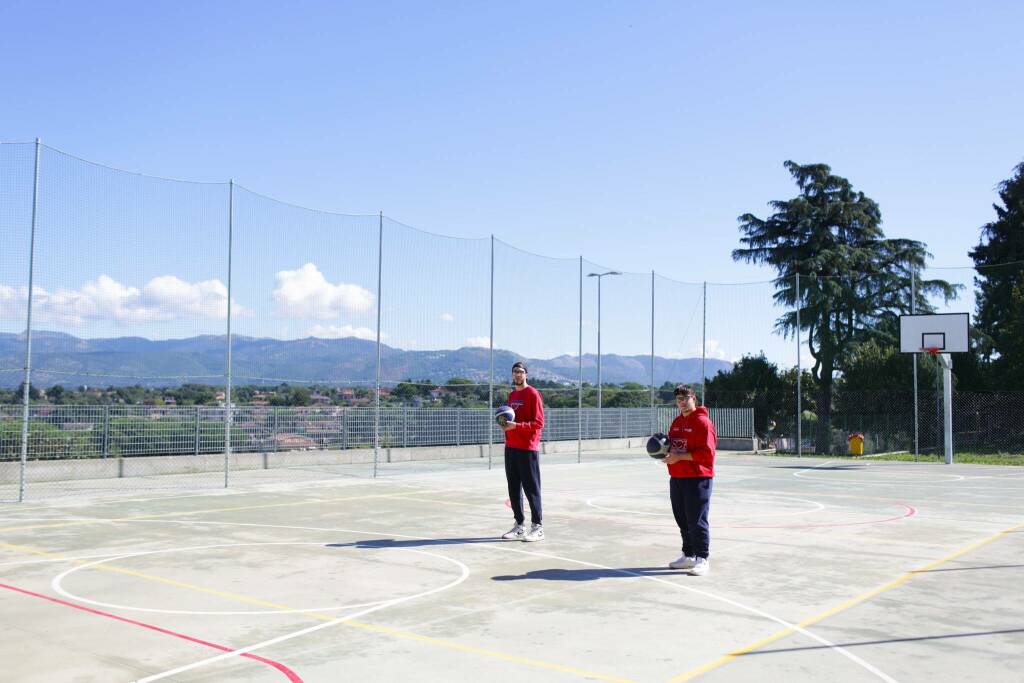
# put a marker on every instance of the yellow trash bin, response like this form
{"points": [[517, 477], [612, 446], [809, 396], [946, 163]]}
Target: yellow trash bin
{"points": [[856, 444]]}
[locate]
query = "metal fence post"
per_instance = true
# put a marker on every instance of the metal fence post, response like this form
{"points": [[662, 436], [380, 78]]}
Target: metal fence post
{"points": [[344, 428], [106, 431], [198, 420], [458, 426], [405, 426]]}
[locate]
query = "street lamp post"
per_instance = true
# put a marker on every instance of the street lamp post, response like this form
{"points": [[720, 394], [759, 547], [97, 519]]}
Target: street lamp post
{"points": [[599, 276]]}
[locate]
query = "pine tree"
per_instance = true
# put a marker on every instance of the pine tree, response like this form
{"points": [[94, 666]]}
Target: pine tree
{"points": [[999, 258], [852, 277]]}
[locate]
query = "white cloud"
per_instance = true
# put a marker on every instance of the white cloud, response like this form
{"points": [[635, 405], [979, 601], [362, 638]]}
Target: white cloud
{"points": [[339, 331], [715, 350], [306, 293], [206, 299], [479, 341], [161, 299], [12, 302], [447, 317]]}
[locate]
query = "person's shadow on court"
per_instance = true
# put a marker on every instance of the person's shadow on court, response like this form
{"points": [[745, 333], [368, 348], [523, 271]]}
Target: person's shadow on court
{"points": [[589, 574], [414, 542]]}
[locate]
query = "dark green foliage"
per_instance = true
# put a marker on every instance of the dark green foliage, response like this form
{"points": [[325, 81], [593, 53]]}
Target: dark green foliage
{"points": [[853, 278], [999, 258], [44, 440], [755, 382]]}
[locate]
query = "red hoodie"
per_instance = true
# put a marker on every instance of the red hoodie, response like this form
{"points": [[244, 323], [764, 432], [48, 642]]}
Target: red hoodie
{"points": [[694, 434], [529, 420]]}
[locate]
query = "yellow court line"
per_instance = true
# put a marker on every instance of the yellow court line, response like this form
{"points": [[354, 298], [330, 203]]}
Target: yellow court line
{"points": [[160, 579], [903, 578], [489, 653], [95, 520], [449, 644]]}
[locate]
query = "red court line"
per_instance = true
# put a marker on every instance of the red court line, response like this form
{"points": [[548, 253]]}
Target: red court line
{"points": [[292, 676], [909, 512]]}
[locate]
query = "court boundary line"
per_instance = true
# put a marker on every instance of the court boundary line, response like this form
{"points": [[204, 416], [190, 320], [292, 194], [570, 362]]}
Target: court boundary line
{"points": [[291, 675], [504, 548], [842, 607]]}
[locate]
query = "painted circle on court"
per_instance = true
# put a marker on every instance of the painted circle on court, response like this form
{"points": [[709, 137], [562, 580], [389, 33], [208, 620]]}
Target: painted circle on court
{"points": [[58, 582], [883, 477], [812, 505]]}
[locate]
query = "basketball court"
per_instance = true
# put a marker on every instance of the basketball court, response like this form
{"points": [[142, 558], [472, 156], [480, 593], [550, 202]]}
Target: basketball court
{"points": [[834, 570]]}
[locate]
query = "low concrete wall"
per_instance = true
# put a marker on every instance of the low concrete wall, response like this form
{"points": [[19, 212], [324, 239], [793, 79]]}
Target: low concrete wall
{"points": [[111, 468], [737, 443]]}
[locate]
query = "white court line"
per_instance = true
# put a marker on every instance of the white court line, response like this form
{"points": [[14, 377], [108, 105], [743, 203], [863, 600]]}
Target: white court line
{"points": [[312, 629], [844, 480], [502, 547], [57, 582], [52, 560]]}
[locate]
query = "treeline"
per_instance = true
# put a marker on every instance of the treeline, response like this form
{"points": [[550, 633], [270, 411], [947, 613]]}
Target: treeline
{"points": [[457, 392], [843, 284]]}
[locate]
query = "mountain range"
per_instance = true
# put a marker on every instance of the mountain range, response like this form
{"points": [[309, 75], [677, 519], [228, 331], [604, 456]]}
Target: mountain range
{"points": [[59, 358]]}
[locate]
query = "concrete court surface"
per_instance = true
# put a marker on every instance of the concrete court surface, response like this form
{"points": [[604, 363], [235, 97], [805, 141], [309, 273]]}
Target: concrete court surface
{"points": [[832, 570]]}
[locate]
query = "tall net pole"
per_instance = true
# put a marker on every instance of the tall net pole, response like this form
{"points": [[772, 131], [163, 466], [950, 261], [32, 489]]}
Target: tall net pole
{"points": [[27, 385], [703, 341], [227, 389], [600, 417], [579, 388], [799, 372], [913, 357], [376, 403], [490, 390], [653, 420]]}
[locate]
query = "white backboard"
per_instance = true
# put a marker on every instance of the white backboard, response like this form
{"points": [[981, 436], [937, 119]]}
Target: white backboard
{"points": [[947, 332]]}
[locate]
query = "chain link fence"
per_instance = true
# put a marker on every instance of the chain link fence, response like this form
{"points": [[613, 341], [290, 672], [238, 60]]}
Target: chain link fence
{"points": [[74, 443]]}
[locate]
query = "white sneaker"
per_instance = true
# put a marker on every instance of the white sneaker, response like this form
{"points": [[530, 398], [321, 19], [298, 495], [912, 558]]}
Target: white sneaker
{"points": [[700, 567], [683, 562], [536, 533], [516, 533]]}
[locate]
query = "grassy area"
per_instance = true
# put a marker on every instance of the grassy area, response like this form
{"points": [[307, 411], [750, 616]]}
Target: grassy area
{"points": [[958, 458], [965, 458]]}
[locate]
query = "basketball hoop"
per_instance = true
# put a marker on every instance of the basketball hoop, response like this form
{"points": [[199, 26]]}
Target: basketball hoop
{"points": [[938, 354]]}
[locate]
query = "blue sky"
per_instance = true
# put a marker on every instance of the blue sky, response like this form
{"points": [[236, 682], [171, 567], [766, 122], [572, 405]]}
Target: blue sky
{"points": [[633, 134]]}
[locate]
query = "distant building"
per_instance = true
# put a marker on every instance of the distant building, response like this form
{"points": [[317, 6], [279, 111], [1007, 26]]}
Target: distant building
{"points": [[291, 442]]}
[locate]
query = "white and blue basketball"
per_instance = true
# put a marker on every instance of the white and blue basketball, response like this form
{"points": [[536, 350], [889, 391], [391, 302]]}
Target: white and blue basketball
{"points": [[504, 414]]}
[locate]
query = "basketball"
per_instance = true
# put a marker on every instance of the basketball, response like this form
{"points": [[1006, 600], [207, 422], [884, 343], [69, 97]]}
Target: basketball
{"points": [[657, 446], [504, 414]]}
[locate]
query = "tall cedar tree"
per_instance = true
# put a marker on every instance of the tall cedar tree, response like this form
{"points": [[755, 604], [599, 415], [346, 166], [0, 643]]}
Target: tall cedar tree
{"points": [[852, 279], [999, 258]]}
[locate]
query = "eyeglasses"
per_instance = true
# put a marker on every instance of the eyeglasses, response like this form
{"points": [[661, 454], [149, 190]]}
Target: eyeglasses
{"points": [[685, 397]]}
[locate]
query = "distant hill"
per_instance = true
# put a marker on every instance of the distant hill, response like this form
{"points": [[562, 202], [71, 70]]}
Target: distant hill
{"points": [[59, 358]]}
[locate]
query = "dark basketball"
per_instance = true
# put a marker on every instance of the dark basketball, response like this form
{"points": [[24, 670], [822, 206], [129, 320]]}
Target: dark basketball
{"points": [[657, 446], [504, 414]]}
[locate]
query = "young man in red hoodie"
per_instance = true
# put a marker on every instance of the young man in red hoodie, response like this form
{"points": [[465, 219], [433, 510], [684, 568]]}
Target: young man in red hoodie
{"points": [[691, 466], [522, 450]]}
